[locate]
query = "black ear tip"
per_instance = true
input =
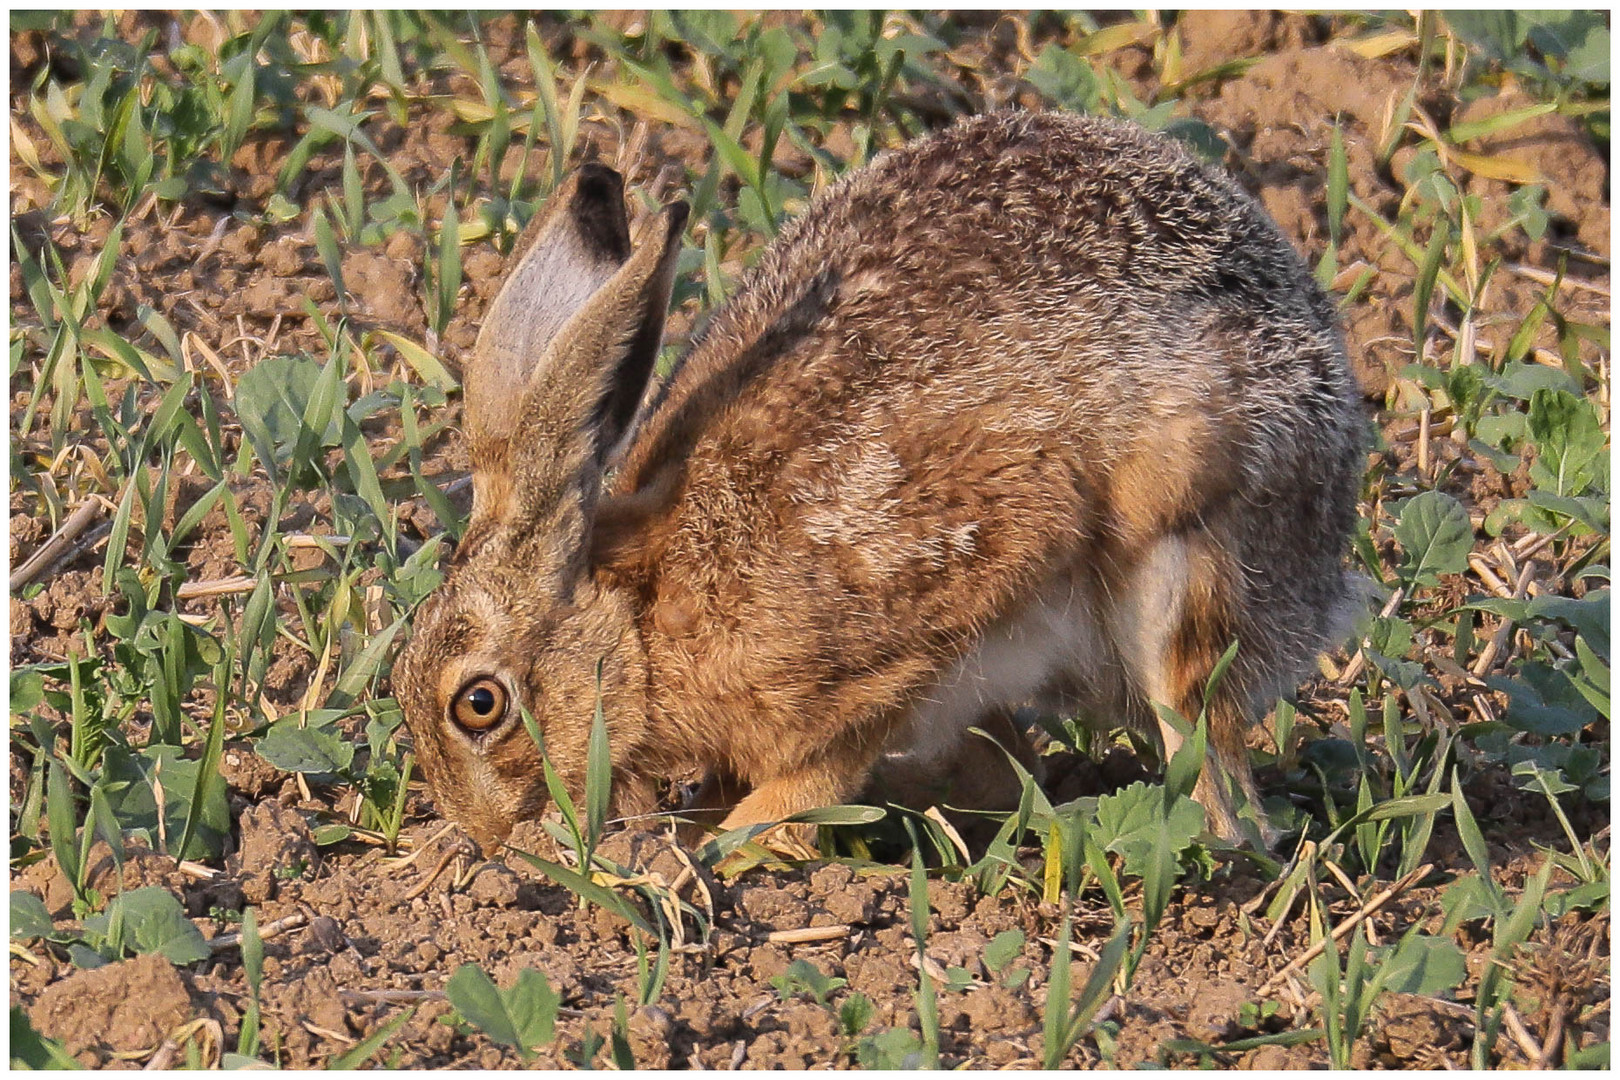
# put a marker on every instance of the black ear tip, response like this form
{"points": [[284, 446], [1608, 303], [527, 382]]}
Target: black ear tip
{"points": [[678, 212], [598, 209], [599, 180]]}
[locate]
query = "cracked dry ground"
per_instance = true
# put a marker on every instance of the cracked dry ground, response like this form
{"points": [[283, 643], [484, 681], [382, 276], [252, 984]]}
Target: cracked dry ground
{"points": [[365, 942]]}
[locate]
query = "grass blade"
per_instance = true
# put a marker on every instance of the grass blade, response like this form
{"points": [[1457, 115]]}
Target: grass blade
{"points": [[365, 1048]]}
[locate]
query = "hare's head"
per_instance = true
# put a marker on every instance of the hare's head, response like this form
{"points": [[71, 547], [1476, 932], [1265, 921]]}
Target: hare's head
{"points": [[552, 387]]}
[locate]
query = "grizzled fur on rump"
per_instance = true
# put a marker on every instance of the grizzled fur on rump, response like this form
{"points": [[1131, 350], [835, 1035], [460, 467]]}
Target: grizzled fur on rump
{"points": [[1037, 408]]}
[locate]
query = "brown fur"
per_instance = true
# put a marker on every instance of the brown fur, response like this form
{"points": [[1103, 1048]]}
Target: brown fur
{"points": [[1036, 407]]}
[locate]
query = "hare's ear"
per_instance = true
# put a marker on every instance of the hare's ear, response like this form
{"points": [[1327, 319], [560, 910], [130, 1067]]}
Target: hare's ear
{"points": [[585, 392], [576, 244]]}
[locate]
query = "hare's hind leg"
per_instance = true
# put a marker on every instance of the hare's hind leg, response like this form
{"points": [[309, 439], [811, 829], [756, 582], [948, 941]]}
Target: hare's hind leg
{"points": [[1175, 618]]}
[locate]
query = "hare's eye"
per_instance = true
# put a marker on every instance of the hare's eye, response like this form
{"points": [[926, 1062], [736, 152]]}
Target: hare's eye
{"points": [[479, 705]]}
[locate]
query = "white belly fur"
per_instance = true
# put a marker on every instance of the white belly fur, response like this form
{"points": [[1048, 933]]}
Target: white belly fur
{"points": [[1069, 647]]}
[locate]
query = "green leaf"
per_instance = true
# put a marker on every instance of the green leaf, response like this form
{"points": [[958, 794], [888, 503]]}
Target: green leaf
{"points": [[1436, 535], [447, 271], [598, 771], [365, 667], [327, 246], [365, 1048], [154, 922], [1128, 824], [29, 919], [1428, 274], [1594, 1057], [848, 814], [854, 1014], [1338, 184], [1544, 700], [1491, 125], [1190, 759], [803, 977], [333, 833], [61, 817], [31, 1050], [1498, 34], [586, 889], [894, 1048], [27, 690], [127, 780], [1066, 79], [522, 1017], [1003, 949], [1468, 899], [239, 110], [1054, 1027], [271, 399], [424, 363], [1571, 449], [477, 998], [305, 749], [1473, 840], [1422, 965], [208, 776]]}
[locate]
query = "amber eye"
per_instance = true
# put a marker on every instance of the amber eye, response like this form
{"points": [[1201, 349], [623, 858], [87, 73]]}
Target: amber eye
{"points": [[479, 705]]}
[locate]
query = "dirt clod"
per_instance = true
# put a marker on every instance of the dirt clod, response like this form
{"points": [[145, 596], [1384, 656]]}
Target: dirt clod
{"points": [[276, 845], [127, 1006]]}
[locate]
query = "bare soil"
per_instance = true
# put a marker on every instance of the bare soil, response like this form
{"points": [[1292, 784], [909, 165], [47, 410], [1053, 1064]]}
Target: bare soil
{"points": [[374, 939]]}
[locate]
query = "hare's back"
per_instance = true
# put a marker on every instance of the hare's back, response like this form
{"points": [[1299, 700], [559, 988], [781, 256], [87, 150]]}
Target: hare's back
{"points": [[972, 360], [1041, 271]]}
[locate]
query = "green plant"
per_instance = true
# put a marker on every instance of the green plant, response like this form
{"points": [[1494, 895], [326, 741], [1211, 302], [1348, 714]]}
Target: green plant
{"points": [[31, 1050], [803, 977], [999, 955], [247, 1039], [1066, 1022], [362, 1051], [927, 1004], [523, 1016]]}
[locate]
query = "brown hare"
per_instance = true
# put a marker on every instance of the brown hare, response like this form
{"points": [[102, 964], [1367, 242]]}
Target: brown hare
{"points": [[1037, 408]]}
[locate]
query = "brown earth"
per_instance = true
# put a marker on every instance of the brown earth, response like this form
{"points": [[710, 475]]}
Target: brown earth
{"points": [[374, 938]]}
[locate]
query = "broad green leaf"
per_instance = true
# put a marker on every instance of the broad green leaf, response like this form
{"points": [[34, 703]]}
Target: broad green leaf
{"points": [[1571, 448], [305, 749], [1128, 824], [1065, 79], [1544, 700], [1422, 965], [1436, 535], [271, 399], [127, 780], [522, 1017], [29, 919], [477, 998], [154, 921], [1003, 949]]}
